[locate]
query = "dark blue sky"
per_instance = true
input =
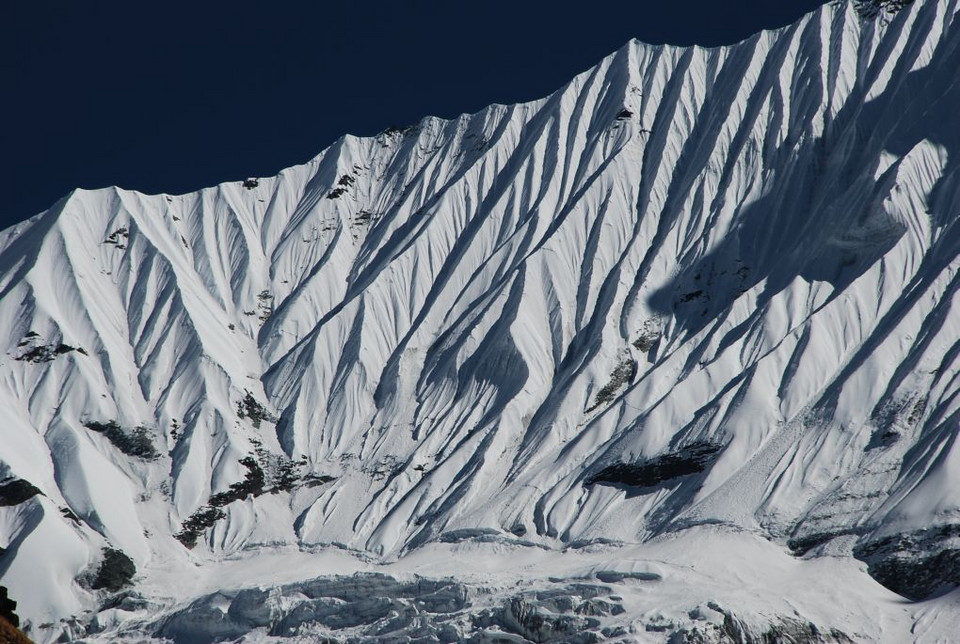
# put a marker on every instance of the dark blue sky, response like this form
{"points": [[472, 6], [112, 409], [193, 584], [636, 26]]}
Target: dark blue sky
{"points": [[175, 96]]}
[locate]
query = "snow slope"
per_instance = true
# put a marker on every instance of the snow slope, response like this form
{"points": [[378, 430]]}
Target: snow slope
{"points": [[695, 305]]}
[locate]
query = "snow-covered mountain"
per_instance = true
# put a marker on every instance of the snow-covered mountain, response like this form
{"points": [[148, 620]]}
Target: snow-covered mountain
{"points": [[669, 354]]}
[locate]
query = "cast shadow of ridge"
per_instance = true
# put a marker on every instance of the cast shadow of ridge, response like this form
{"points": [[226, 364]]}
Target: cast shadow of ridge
{"points": [[823, 219], [821, 216]]}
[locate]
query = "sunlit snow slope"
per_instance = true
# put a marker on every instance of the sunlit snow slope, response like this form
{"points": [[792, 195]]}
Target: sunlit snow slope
{"points": [[692, 287]]}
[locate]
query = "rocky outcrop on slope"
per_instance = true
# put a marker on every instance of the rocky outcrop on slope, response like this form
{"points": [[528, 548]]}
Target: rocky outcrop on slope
{"points": [[16, 491], [659, 470], [917, 565]]}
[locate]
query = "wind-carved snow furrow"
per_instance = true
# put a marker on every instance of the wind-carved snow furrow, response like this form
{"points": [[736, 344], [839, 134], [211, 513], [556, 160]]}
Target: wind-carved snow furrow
{"points": [[359, 283], [653, 159], [460, 247]]}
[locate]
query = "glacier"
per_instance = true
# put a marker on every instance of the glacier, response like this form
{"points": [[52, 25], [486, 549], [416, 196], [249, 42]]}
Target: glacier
{"points": [[668, 355]]}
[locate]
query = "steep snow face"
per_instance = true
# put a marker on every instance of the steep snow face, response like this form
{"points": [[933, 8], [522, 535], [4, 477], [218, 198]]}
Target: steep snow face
{"points": [[693, 286]]}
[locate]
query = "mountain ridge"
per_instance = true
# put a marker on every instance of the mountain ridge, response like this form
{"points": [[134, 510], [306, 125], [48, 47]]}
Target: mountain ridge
{"points": [[693, 290]]}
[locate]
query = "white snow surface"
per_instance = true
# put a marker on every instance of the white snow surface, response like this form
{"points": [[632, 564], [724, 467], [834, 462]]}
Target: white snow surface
{"points": [[428, 316]]}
